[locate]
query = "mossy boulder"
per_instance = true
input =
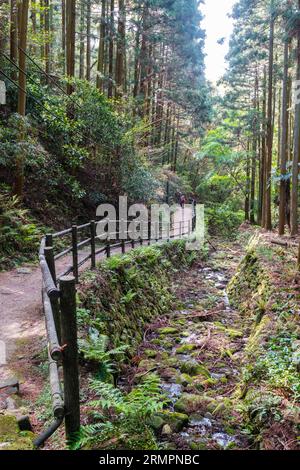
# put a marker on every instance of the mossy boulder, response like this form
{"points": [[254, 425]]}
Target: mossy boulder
{"points": [[172, 362], [11, 438], [169, 374], [150, 353], [176, 421], [147, 364], [190, 403], [193, 368], [184, 379], [168, 330], [186, 348]]}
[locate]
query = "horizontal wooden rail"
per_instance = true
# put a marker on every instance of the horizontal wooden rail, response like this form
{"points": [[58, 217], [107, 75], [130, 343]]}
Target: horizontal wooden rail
{"points": [[59, 302]]}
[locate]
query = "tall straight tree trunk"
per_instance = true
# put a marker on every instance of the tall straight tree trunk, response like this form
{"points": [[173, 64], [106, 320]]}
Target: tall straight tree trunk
{"points": [[70, 40], [284, 140], [3, 22], [82, 40], [63, 35], [47, 35], [23, 24], [13, 35], [254, 152], [248, 186], [268, 216], [176, 145], [88, 40], [33, 17], [42, 29], [296, 159], [144, 60], [264, 150], [279, 125], [121, 50], [111, 50], [101, 49], [137, 67]]}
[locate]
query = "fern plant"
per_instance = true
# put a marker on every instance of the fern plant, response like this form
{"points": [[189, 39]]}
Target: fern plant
{"points": [[19, 236], [122, 416], [128, 297], [96, 351], [144, 400]]}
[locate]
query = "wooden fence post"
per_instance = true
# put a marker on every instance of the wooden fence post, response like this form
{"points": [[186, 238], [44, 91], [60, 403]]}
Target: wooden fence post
{"points": [[93, 244], [132, 240], [149, 232], [49, 256], [121, 233], [49, 239], [70, 355], [108, 248], [75, 252], [142, 233]]}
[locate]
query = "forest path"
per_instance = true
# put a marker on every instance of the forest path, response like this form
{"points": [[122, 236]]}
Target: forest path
{"points": [[22, 326]]}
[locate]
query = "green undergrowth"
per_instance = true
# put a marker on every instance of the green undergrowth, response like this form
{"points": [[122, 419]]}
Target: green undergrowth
{"points": [[120, 420], [125, 293], [117, 302], [11, 438], [250, 288], [269, 393], [19, 233]]}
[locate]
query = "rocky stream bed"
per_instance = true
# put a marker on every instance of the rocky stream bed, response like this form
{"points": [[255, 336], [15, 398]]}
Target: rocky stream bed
{"points": [[196, 352]]}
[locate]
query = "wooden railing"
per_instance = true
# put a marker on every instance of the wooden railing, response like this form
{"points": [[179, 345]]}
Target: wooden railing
{"points": [[59, 304]]}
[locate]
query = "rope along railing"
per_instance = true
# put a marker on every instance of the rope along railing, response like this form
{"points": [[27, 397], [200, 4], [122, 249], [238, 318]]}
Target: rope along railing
{"points": [[59, 302]]}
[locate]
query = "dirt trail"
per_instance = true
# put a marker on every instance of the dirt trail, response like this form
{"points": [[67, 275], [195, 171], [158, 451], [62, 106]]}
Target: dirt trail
{"points": [[22, 327]]}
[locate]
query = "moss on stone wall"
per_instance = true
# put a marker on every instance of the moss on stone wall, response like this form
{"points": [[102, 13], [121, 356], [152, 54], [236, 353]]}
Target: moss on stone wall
{"points": [[249, 289], [11, 438], [125, 293], [269, 391]]}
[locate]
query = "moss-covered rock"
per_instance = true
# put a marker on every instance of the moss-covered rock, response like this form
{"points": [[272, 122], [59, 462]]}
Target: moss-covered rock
{"points": [[11, 438], [184, 379], [176, 421], [147, 364], [167, 330], [169, 374], [193, 368], [190, 403], [150, 353], [186, 348]]}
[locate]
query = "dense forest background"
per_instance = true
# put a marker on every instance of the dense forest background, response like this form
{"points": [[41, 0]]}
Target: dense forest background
{"points": [[110, 97]]}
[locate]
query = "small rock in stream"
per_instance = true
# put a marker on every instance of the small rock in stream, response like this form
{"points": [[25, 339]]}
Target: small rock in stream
{"points": [[222, 439], [166, 430]]}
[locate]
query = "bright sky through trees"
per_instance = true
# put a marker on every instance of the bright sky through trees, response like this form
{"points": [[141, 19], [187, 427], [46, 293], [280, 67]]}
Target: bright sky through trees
{"points": [[217, 25]]}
